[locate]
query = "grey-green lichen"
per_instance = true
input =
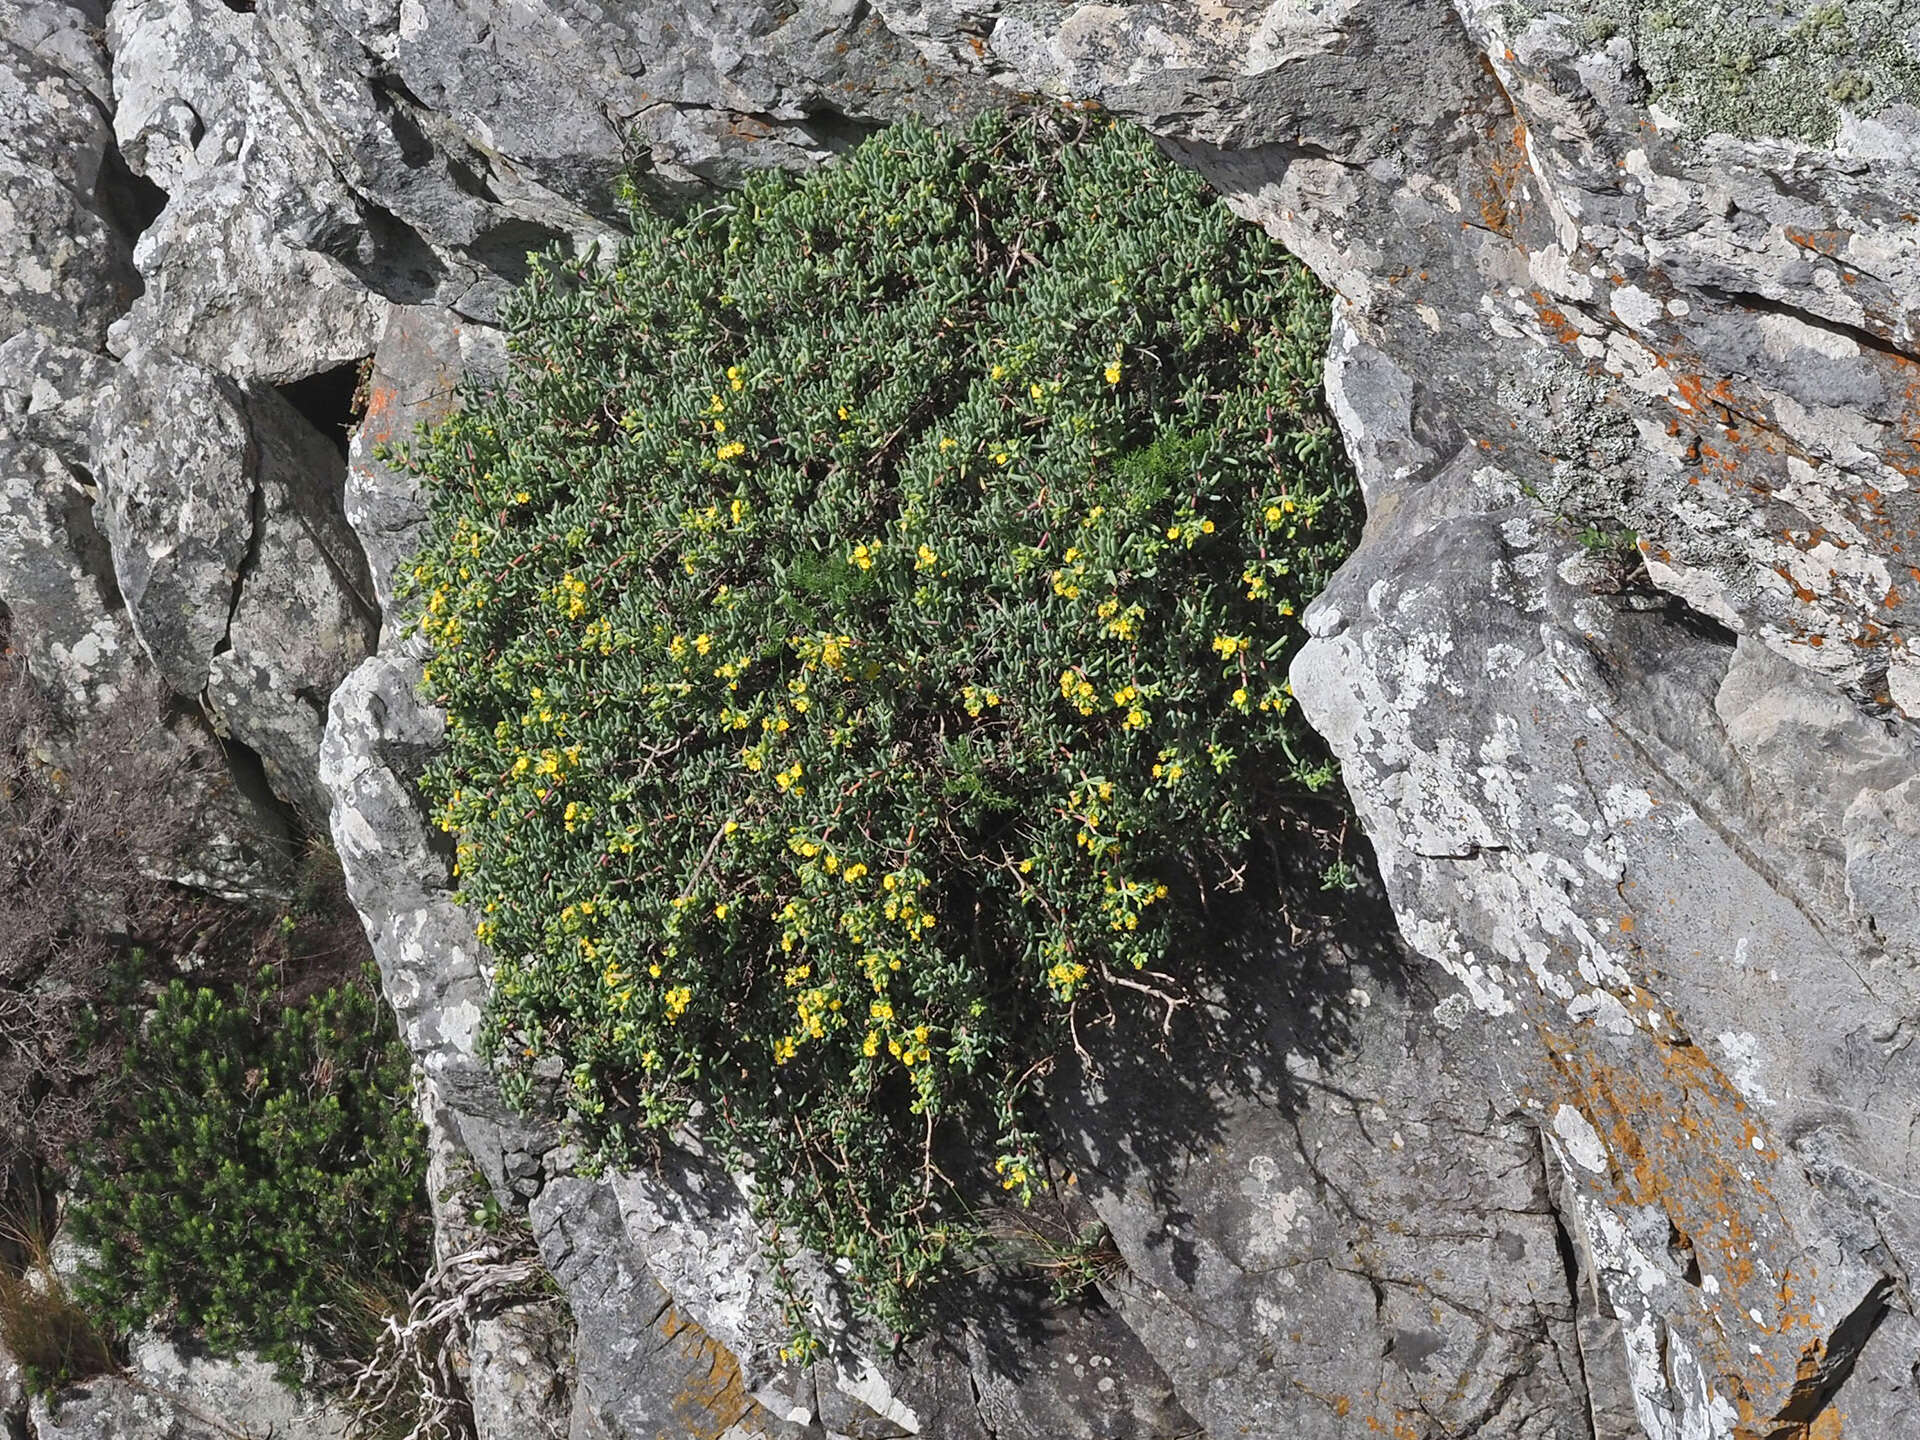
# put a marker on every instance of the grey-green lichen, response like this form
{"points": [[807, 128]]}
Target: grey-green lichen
{"points": [[1785, 68]]}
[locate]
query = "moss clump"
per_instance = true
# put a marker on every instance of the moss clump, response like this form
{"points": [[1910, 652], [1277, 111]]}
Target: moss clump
{"points": [[863, 619], [1760, 68]]}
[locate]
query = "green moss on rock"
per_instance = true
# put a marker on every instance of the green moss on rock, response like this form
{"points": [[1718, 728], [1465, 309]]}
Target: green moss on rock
{"points": [[1762, 68]]}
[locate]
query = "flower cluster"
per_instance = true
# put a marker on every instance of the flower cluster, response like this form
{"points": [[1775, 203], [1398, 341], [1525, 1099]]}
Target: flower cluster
{"points": [[853, 650]]}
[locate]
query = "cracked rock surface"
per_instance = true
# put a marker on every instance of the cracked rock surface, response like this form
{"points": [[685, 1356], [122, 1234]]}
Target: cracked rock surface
{"points": [[1616, 1144]]}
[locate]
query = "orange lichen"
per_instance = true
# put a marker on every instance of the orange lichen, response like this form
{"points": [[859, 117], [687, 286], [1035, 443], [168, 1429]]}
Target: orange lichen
{"points": [[1497, 192], [714, 1398]]}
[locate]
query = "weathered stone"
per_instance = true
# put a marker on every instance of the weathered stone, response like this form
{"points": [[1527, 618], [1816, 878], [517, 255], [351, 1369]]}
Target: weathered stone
{"points": [[63, 606], [243, 1392], [243, 267], [169, 1394], [63, 262], [224, 290], [379, 736], [1328, 1225], [519, 1363], [175, 465], [422, 356], [1881, 829], [13, 1396], [1557, 830], [303, 615]]}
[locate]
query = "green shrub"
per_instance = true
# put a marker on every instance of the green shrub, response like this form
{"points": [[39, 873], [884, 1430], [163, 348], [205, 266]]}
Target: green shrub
{"points": [[265, 1162], [863, 619]]}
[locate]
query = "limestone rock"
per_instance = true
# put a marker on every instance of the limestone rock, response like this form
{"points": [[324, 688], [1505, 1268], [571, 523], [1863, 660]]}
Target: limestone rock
{"points": [[169, 1394], [1330, 1221], [516, 1364], [423, 354], [1564, 837], [13, 1395], [176, 476], [243, 268], [63, 259], [67, 616], [56, 573], [1882, 838], [226, 291], [303, 613]]}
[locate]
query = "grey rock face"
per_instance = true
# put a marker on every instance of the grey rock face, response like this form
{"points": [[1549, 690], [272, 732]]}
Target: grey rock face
{"points": [[1632, 887], [303, 613], [1332, 1223], [56, 573], [63, 259], [239, 573], [422, 356], [176, 460], [167, 1394], [240, 270], [518, 1363]]}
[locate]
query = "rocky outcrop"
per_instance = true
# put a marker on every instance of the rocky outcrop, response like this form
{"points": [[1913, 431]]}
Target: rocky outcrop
{"points": [[166, 1392], [1619, 681], [1635, 803], [1606, 827], [1640, 803]]}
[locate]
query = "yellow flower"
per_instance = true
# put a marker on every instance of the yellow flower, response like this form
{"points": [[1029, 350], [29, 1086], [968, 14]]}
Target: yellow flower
{"points": [[1113, 373], [732, 450], [926, 559], [947, 442], [1034, 391]]}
